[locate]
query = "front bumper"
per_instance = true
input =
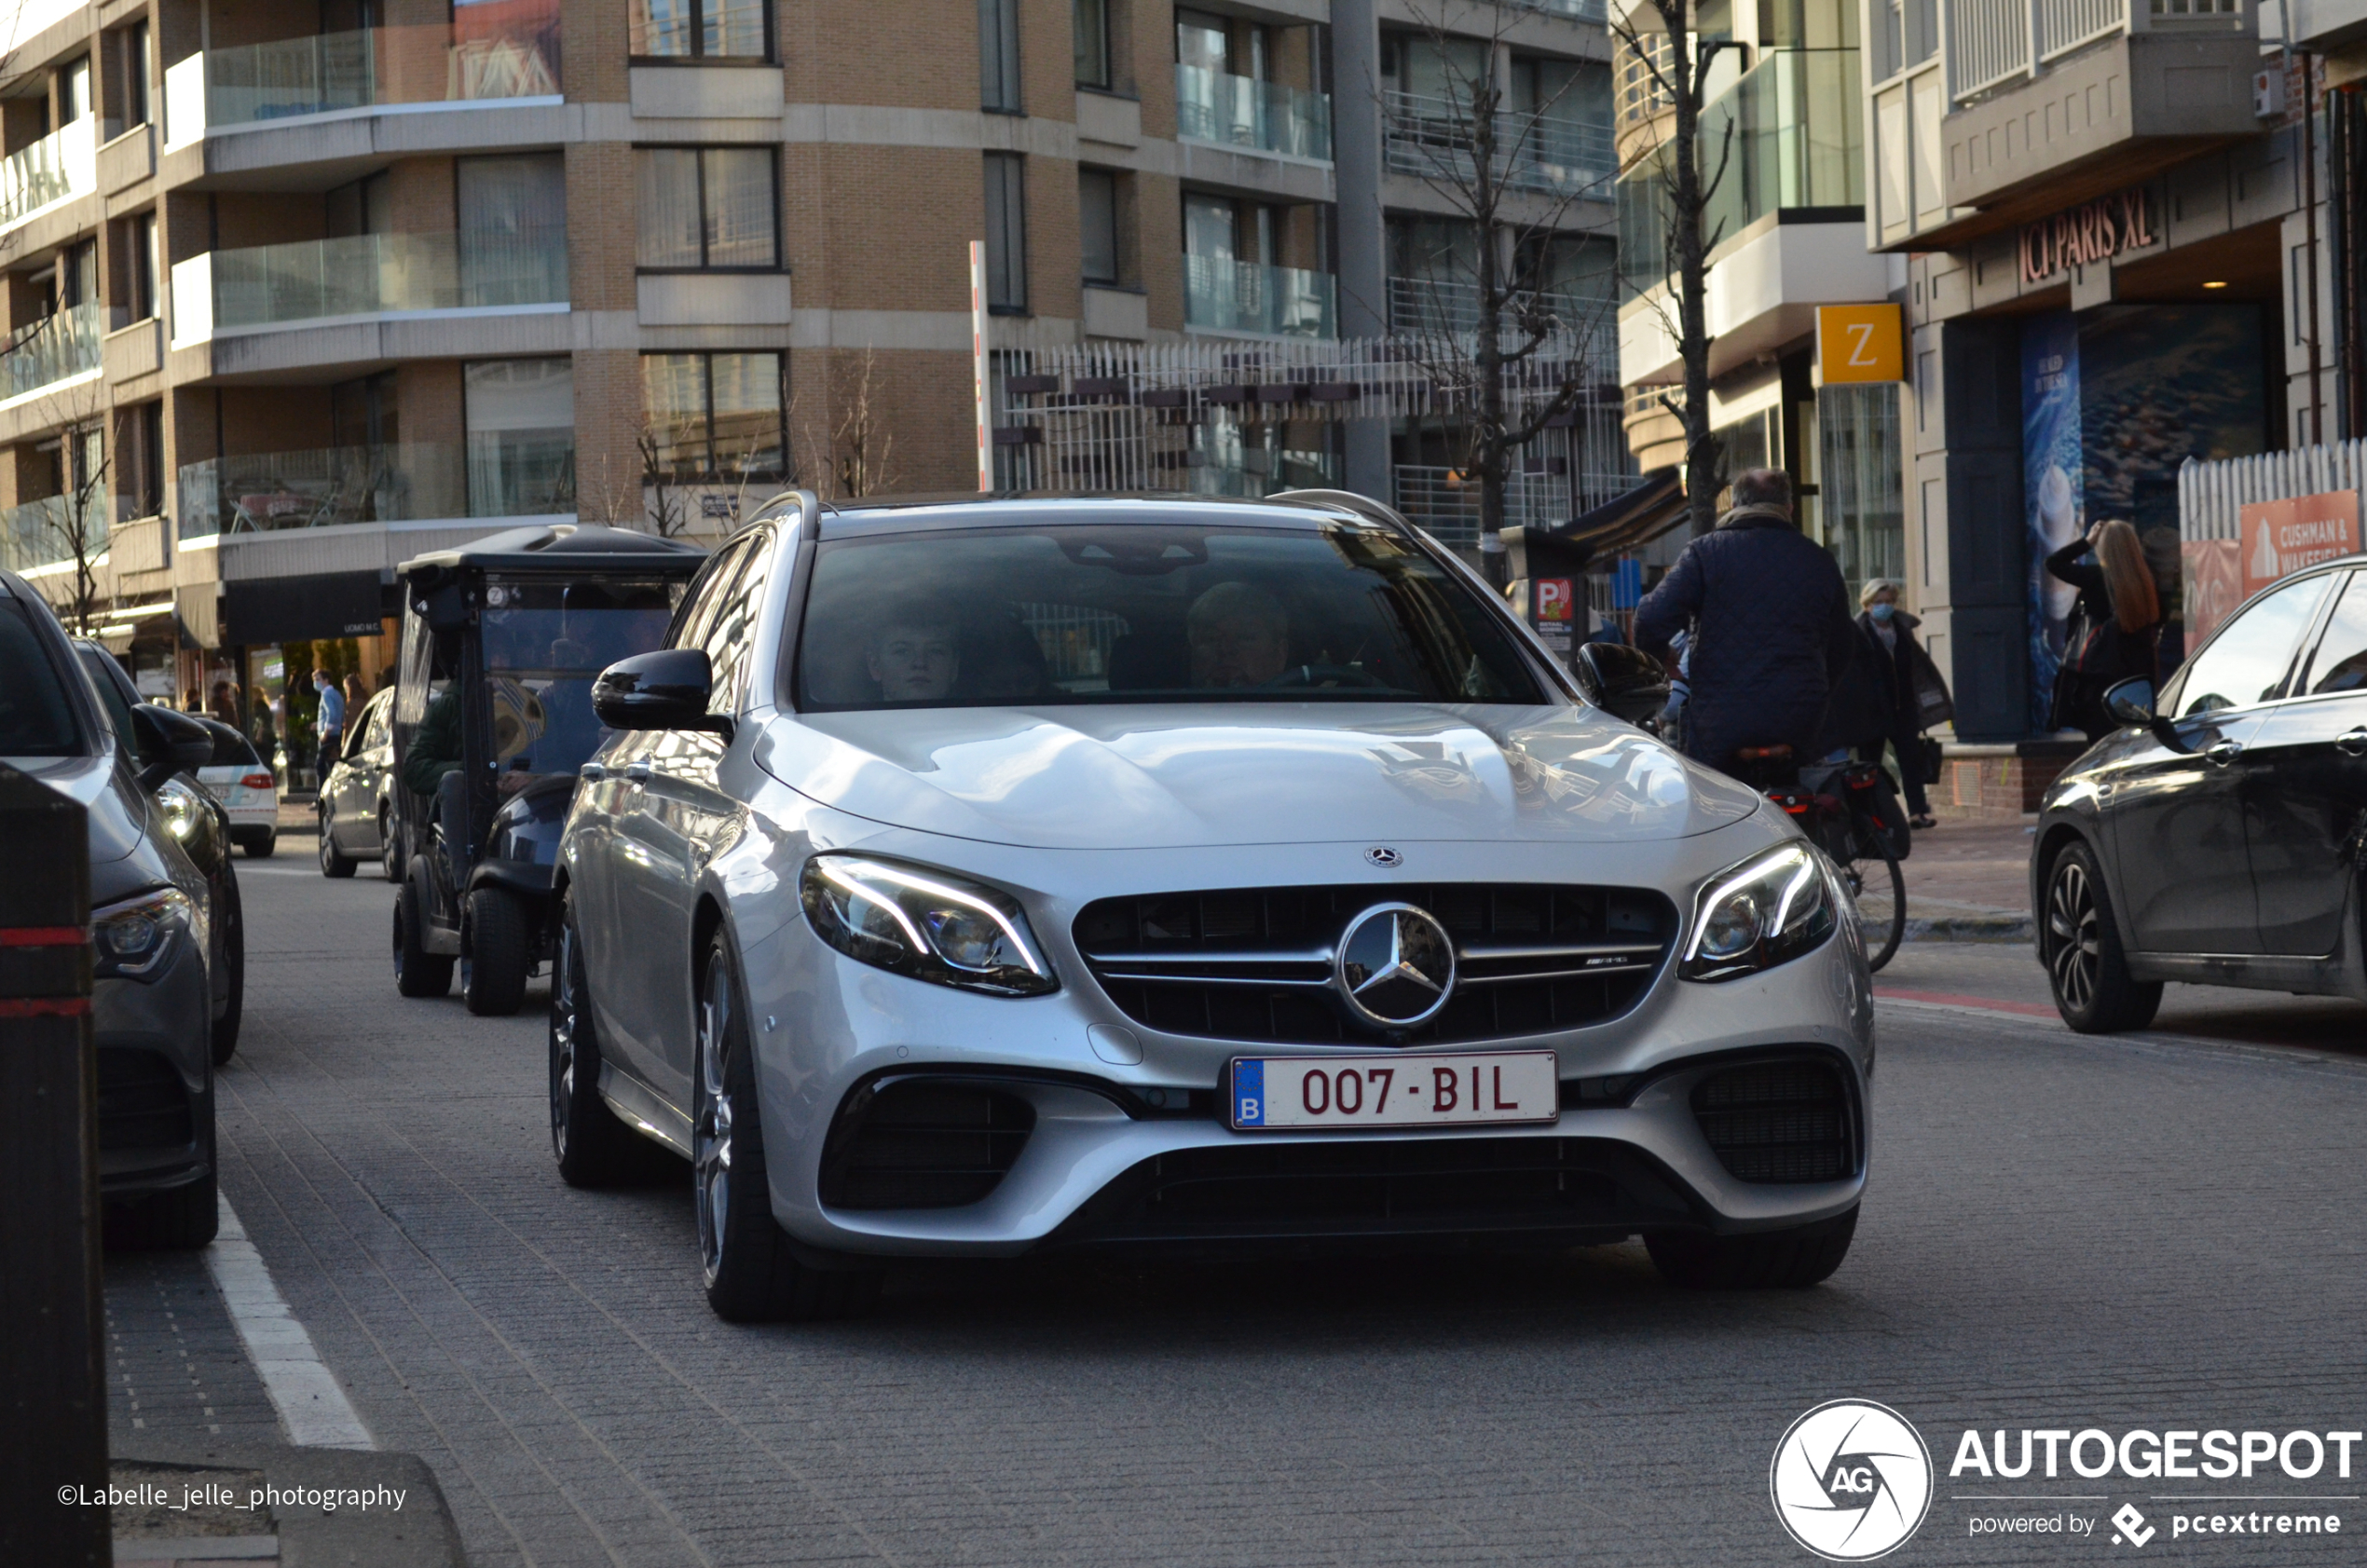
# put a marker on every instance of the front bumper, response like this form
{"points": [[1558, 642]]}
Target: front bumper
{"points": [[156, 1077], [1113, 1147]]}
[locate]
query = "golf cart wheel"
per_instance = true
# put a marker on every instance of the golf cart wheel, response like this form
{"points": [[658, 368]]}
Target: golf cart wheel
{"points": [[497, 950], [417, 971]]}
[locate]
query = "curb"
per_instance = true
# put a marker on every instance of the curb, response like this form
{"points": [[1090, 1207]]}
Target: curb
{"points": [[2001, 927]]}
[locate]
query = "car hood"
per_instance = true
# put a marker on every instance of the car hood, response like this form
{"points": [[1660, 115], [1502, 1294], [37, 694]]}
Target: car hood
{"points": [[117, 819], [1173, 775]]}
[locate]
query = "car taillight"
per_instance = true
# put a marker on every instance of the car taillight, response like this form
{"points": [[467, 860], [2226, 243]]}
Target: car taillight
{"points": [[257, 780]]}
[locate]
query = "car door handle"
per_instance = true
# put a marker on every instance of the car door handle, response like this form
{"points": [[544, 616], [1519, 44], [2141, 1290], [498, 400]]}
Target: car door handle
{"points": [[2224, 752], [2352, 742], [592, 772], [637, 773]]}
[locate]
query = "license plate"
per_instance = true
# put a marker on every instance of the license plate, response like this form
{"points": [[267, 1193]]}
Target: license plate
{"points": [[1327, 1093]]}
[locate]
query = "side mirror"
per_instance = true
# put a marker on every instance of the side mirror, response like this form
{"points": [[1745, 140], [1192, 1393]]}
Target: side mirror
{"points": [[2131, 702], [668, 689], [1623, 682], [169, 742]]}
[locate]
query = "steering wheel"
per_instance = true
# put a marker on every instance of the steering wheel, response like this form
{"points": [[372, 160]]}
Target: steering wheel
{"points": [[1325, 674]]}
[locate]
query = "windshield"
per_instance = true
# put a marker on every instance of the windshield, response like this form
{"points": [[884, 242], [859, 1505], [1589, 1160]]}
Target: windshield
{"points": [[1081, 613], [544, 644]]}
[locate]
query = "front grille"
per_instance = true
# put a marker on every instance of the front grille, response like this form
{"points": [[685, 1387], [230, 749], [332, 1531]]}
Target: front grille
{"points": [[922, 1143], [142, 1103], [1356, 1187], [1256, 963], [1779, 1121]]}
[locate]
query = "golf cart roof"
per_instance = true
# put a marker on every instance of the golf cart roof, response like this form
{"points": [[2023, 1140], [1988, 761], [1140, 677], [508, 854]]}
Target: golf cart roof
{"points": [[572, 549]]}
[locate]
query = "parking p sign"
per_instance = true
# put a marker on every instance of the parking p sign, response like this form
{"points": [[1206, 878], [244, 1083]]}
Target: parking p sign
{"points": [[1555, 601]]}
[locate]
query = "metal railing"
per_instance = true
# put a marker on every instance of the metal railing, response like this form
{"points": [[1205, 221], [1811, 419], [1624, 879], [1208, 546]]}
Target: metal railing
{"points": [[1424, 304], [367, 275], [508, 50], [42, 533], [519, 475], [58, 349], [1432, 137], [1222, 294], [1640, 95], [1446, 502], [1242, 112], [62, 164], [1990, 42]]}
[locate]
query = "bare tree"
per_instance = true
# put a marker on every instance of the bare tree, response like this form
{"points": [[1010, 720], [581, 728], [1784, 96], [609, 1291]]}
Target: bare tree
{"points": [[1509, 356], [72, 527], [852, 454], [667, 507], [1674, 66]]}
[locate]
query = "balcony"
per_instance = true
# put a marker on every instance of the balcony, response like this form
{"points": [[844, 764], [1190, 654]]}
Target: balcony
{"points": [[61, 166], [1452, 306], [1238, 112], [505, 49], [1576, 11], [516, 475], [1247, 299], [57, 349], [1989, 41], [1431, 138], [367, 276], [39, 535]]}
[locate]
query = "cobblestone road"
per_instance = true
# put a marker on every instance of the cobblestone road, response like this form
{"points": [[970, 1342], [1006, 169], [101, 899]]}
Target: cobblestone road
{"points": [[2153, 1232]]}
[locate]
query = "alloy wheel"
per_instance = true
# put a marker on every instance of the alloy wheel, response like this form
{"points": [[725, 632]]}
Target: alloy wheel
{"points": [[2075, 947], [563, 1027], [711, 1134]]}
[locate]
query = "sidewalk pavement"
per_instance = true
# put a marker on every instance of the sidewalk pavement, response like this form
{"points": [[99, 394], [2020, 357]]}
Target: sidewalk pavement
{"points": [[1969, 882]]}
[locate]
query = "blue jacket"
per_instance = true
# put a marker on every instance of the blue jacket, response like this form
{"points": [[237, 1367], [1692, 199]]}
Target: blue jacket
{"points": [[332, 712], [1774, 633]]}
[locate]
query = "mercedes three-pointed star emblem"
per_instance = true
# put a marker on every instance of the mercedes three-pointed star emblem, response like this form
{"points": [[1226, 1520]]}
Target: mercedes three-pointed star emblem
{"points": [[1395, 967]]}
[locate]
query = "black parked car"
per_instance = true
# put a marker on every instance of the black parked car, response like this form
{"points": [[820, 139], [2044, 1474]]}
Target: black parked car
{"points": [[152, 921], [2217, 837]]}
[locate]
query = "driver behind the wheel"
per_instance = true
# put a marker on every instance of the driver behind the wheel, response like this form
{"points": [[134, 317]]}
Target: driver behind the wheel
{"points": [[915, 656], [1239, 635]]}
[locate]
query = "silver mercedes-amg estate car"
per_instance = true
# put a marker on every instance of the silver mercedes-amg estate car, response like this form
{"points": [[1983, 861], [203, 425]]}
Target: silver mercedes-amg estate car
{"points": [[973, 878]]}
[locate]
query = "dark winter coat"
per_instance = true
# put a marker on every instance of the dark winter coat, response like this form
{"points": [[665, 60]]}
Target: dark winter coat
{"points": [[1775, 634]]}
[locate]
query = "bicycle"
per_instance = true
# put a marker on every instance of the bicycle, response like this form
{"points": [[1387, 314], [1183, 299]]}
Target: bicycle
{"points": [[1840, 808]]}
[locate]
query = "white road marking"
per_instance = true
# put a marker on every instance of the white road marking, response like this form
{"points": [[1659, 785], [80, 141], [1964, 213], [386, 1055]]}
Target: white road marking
{"points": [[311, 1405]]}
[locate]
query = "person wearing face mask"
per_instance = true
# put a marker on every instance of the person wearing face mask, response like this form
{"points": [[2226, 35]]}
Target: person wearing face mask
{"points": [[1913, 692]]}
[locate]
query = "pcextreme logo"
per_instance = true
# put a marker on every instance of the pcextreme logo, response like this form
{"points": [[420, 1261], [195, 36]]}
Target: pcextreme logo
{"points": [[1851, 1480]]}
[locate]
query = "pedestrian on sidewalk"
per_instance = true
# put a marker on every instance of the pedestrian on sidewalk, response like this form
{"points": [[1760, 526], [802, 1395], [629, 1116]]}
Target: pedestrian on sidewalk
{"points": [[1771, 622], [328, 723], [2114, 631], [1914, 696]]}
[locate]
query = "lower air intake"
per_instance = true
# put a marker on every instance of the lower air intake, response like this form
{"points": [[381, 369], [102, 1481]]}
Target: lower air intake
{"points": [[1779, 1121], [922, 1143]]}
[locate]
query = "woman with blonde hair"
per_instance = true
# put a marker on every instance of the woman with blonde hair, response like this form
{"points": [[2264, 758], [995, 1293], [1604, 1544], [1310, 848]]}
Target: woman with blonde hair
{"points": [[2114, 631]]}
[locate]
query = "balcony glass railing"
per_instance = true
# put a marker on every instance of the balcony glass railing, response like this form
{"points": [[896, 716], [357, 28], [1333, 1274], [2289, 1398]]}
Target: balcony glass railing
{"points": [[1790, 133], [524, 473], [1577, 10], [367, 275], [44, 533], [1238, 111], [62, 164], [1433, 137], [494, 50], [1222, 294], [57, 349], [1451, 307]]}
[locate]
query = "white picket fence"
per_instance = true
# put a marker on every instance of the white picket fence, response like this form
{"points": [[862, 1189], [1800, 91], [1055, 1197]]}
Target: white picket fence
{"points": [[2211, 496]]}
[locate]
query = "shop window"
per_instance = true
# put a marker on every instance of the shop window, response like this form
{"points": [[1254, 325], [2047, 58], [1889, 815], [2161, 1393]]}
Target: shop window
{"points": [[720, 416], [709, 209]]}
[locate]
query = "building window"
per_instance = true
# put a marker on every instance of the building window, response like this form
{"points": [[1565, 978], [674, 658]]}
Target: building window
{"points": [[709, 209], [139, 235], [1097, 223], [999, 55], [1092, 43], [514, 228], [716, 417], [141, 440], [520, 419], [700, 29], [1005, 232], [131, 55]]}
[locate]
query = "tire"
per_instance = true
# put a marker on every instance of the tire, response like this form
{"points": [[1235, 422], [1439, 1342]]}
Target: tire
{"points": [[392, 861], [750, 1274], [1878, 888], [593, 1148], [417, 971], [334, 862], [178, 1220], [224, 1035], [1787, 1260], [2079, 943], [260, 845], [495, 952]]}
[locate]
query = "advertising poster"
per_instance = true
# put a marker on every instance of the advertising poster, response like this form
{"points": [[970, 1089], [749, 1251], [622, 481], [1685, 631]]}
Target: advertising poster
{"points": [[2052, 471]]}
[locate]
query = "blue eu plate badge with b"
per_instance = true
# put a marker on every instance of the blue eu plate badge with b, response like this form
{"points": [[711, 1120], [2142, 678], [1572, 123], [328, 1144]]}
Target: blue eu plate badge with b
{"points": [[1249, 1094]]}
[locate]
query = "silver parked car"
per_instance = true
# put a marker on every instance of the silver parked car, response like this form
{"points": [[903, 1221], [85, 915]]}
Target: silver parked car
{"points": [[983, 877]]}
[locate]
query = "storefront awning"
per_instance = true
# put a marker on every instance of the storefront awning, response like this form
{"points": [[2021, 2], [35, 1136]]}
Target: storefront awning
{"points": [[293, 609], [1635, 517]]}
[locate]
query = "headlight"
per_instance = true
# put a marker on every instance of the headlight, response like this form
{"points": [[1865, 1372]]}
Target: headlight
{"points": [[1768, 910], [132, 938], [926, 924]]}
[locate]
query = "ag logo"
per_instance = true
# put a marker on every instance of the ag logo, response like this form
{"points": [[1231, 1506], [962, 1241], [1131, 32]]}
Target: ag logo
{"points": [[1851, 1480]]}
